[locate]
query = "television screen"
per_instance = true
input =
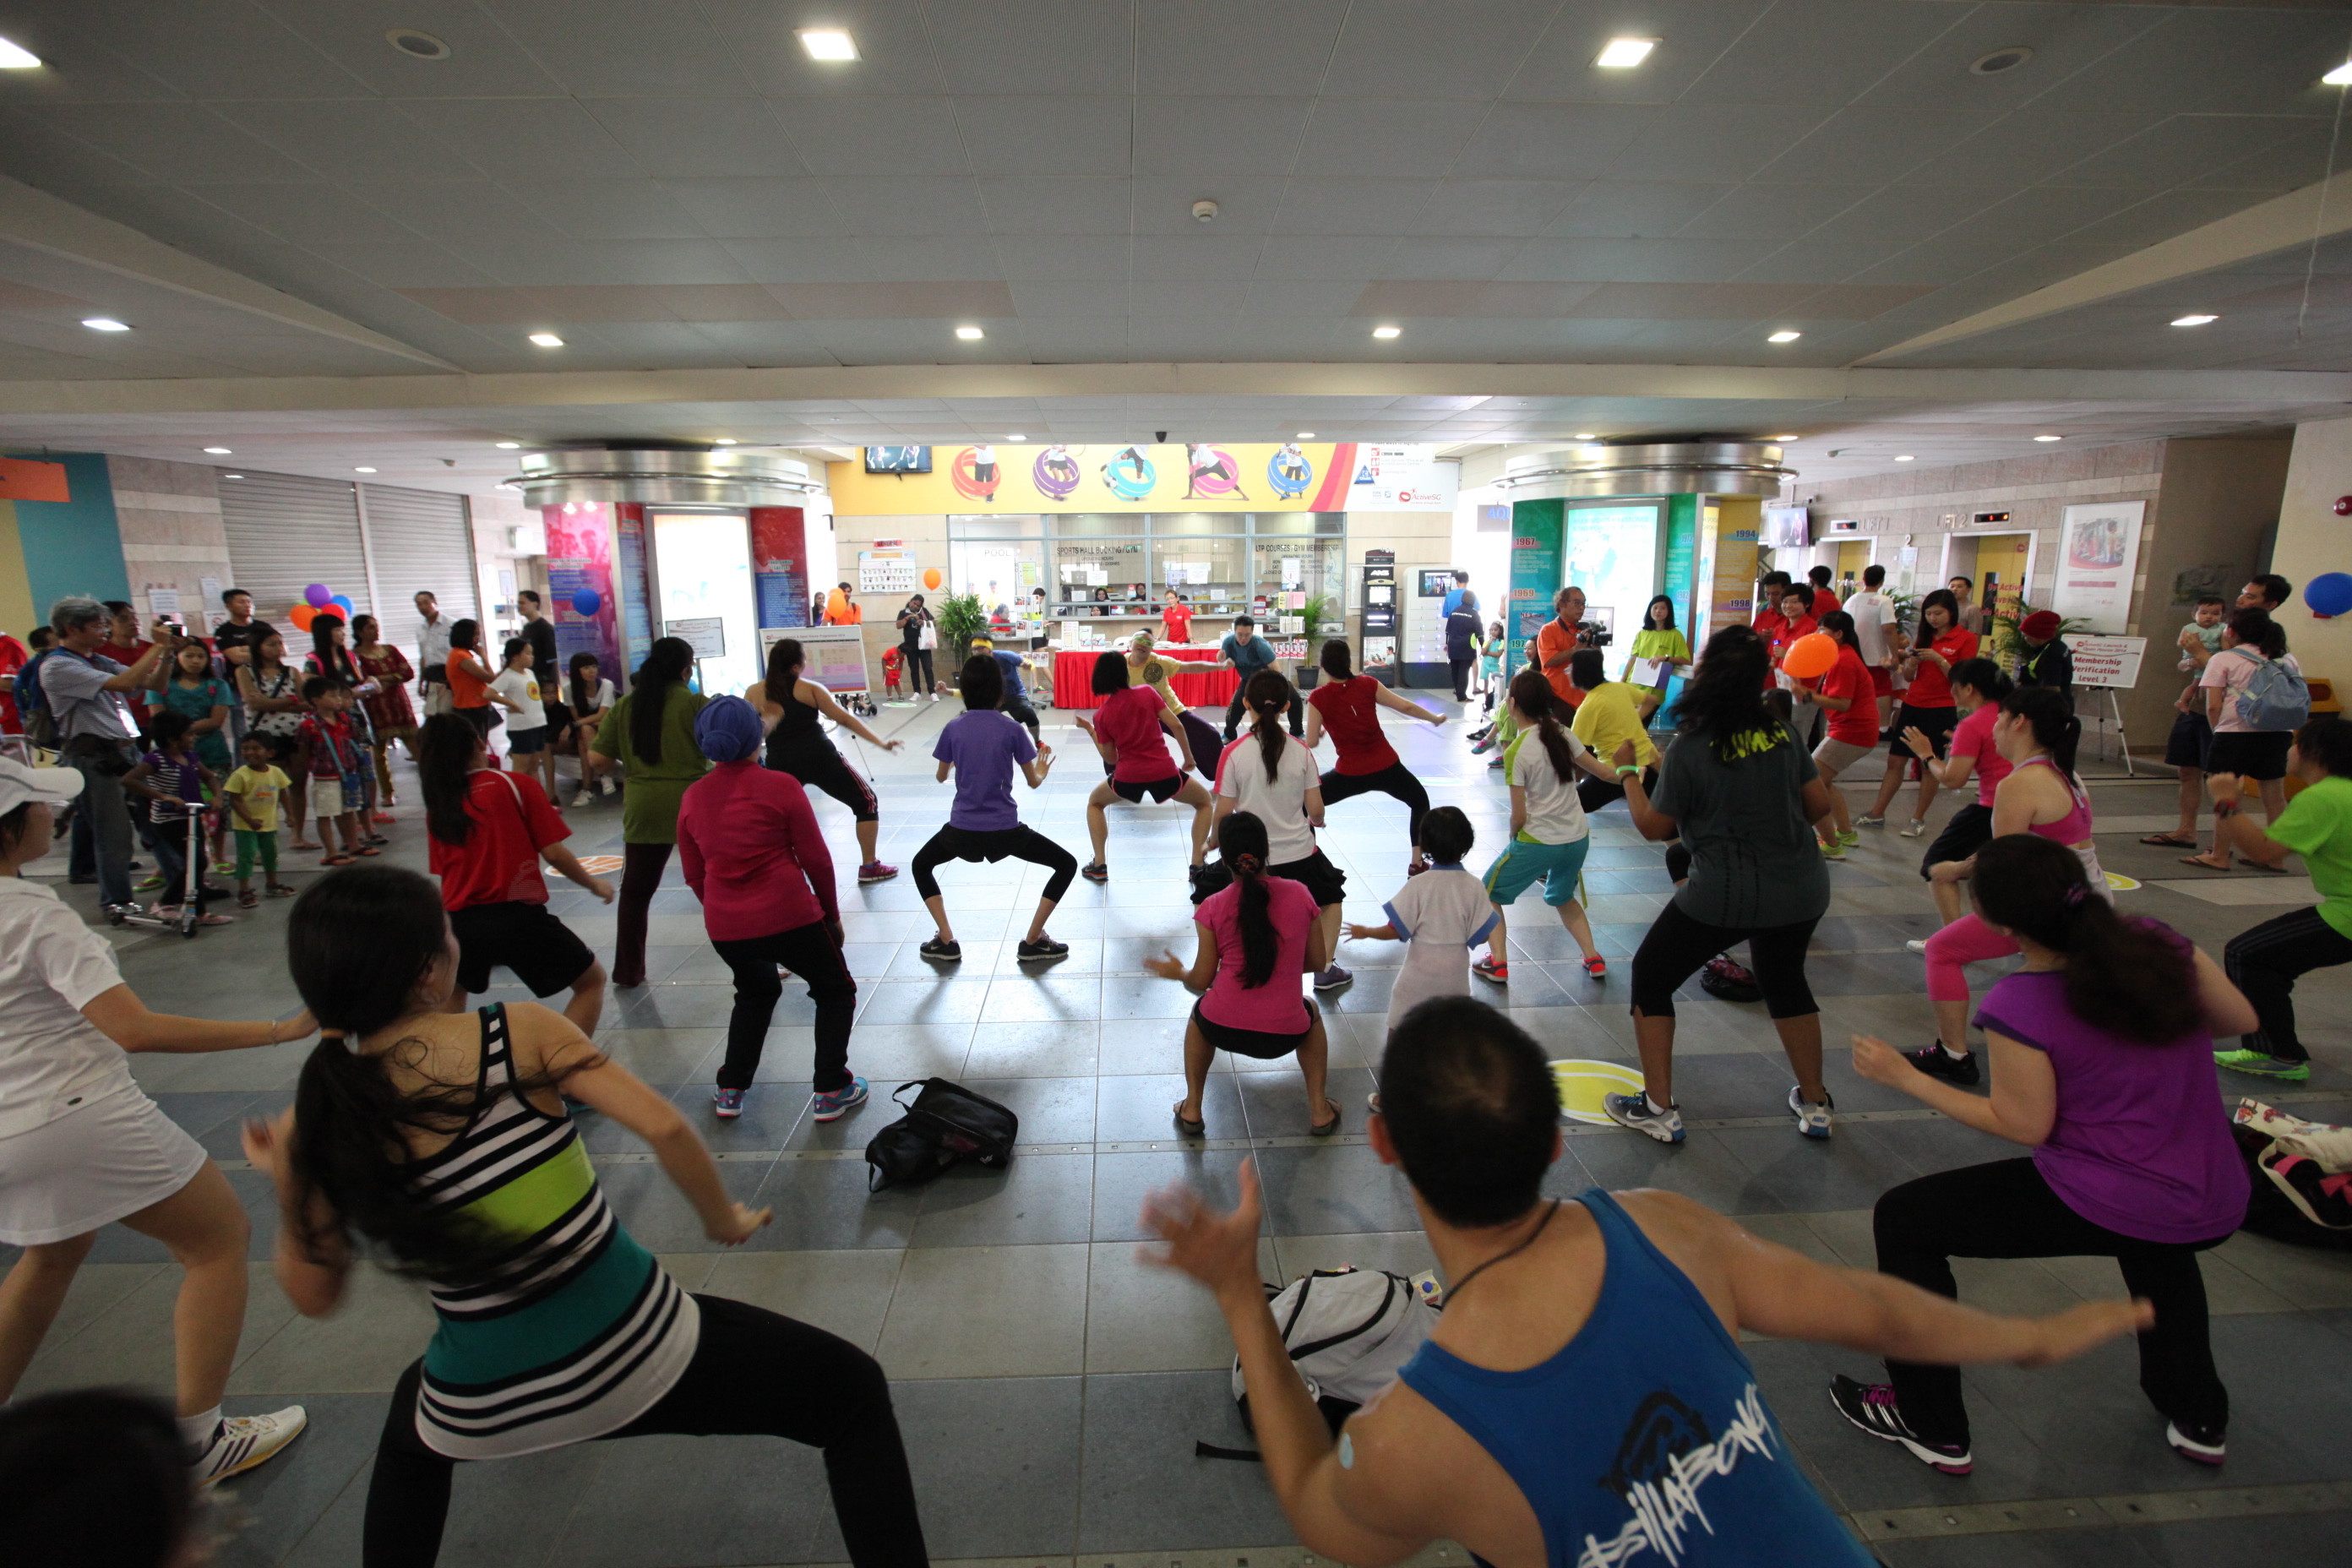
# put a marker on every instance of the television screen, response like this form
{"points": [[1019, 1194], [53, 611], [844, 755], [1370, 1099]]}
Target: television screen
{"points": [[1437, 581], [1787, 527], [897, 460]]}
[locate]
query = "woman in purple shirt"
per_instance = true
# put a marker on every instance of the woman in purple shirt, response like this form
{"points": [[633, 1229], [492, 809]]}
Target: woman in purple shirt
{"points": [[981, 747], [2132, 1158]]}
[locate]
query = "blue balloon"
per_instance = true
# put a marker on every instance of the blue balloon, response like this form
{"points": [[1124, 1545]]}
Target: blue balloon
{"points": [[586, 602], [342, 604], [2329, 593]]}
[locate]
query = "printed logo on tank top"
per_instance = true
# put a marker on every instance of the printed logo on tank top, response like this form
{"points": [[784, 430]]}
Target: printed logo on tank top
{"points": [[1665, 1459], [1753, 743]]}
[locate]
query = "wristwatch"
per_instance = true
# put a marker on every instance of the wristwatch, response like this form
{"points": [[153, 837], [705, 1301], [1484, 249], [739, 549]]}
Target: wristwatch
{"points": [[2222, 808]]}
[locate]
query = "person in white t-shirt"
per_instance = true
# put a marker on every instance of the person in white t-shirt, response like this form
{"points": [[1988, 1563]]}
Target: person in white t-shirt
{"points": [[1440, 916], [1274, 775], [1878, 636], [516, 688], [81, 1146], [1549, 834]]}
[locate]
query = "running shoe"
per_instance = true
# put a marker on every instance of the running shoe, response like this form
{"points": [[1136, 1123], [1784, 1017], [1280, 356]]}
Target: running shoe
{"points": [[874, 871], [1495, 764], [1332, 978], [728, 1103], [1480, 749], [1850, 838], [840, 1102], [1487, 969], [1043, 947], [582, 799], [1832, 849], [1596, 968], [1918, 945], [1936, 1062], [1813, 1121], [2202, 1444], [1914, 829], [1871, 1407], [2262, 1064], [1633, 1110], [1870, 822], [946, 951], [241, 1442], [1098, 872]]}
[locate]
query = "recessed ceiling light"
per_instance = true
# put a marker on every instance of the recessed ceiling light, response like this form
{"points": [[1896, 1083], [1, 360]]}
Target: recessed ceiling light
{"points": [[1624, 54], [1387, 331], [2001, 59], [1305, 436], [16, 57], [723, 441], [2340, 77], [1784, 337], [1785, 439], [363, 470], [509, 446], [2050, 438], [1906, 458], [217, 451], [828, 43], [970, 334], [1016, 436], [416, 45], [105, 324], [1587, 435], [547, 339], [2189, 320]]}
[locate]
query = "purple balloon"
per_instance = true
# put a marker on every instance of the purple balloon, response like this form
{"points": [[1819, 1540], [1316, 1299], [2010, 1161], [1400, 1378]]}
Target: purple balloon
{"points": [[318, 596], [586, 602]]}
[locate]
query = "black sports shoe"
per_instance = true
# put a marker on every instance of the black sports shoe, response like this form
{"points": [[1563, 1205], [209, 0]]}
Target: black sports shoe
{"points": [[1097, 872], [1871, 1407], [946, 951], [1936, 1063], [1048, 948]]}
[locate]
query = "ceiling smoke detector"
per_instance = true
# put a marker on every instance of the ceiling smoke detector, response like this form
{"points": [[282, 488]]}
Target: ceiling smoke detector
{"points": [[416, 45], [2002, 60], [1203, 211]]}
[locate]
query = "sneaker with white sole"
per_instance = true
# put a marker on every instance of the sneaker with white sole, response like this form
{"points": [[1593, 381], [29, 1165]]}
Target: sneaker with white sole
{"points": [[1914, 828], [726, 1104], [1870, 822], [2198, 1443], [1813, 1121], [1918, 945], [840, 1102], [1871, 1407], [243, 1441], [1332, 978], [2262, 1064], [1633, 1110], [1936, 1062], [582, 799]]}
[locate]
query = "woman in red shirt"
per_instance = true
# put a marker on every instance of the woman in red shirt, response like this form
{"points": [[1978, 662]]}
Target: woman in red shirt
{"points": [[1348, 705], [490, 830], [1125, 729], [1850, 699], [1927, 705], [1177, 617]]}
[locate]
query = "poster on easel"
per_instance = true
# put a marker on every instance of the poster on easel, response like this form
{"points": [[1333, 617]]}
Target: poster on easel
{"points": [[833, 657], [2098, 550]]}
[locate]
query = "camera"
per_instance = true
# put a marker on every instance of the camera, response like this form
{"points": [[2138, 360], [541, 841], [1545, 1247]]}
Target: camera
{"points": [[1593, 634]]}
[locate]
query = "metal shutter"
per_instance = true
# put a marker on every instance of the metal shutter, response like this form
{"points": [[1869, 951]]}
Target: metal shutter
{"points": [[420, 540], [287, 532]]}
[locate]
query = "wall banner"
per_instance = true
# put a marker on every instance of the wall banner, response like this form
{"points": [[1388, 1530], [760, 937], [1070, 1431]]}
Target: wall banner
{"points": [[1536, 531], [1208, 475], [637, 589], [580, 560], [779, 585], [2098, 548]]}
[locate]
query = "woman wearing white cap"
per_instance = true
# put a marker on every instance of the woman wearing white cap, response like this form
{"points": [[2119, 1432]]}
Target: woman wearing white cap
{"points": [[83, 1146]]}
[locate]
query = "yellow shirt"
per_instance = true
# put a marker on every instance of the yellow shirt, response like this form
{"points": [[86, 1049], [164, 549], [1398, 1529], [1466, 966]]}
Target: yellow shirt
{"points": [[1612, 713], [260, 789]]}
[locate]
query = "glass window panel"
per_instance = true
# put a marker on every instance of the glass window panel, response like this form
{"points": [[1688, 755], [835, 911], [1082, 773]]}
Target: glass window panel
{"points": [[1097, 525], [1210, 572], [992, 525], [1189, 523], [1096, 576]]}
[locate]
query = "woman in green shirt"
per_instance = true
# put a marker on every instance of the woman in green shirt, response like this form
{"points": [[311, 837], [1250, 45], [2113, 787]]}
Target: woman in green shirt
{"points": [[1659, 639], [651, 733]]}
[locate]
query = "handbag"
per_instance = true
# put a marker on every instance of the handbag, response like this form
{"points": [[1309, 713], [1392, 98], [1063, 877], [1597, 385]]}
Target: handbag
{"points": [[947, 1124], [929, 637]]}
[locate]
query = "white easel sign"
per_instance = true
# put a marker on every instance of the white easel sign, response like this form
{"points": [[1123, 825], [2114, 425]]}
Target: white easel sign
{"points": [[2098, 550]]}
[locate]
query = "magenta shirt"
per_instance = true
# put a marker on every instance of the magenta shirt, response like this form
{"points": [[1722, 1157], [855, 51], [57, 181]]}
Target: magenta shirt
{"points": [[1972, 736], [752, 852], [1276, 1007], [2141, 1144]]}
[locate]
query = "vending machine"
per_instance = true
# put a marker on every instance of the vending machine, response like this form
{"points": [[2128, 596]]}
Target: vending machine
{"points": [[1380, 612]]}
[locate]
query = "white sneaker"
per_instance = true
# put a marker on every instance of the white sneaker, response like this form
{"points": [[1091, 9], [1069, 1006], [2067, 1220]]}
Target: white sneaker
{"points": [[582, 799], [1918, 945], [244, 1441], [1813, 1121], [1914, 829]]}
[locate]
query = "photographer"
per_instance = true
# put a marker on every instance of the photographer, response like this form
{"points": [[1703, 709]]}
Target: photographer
{"points": [[1561, 637], [85, 692]]}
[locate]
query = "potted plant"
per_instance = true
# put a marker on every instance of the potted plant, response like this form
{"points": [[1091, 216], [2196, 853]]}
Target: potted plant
{"points": [[961, 619], [1316, 621]]}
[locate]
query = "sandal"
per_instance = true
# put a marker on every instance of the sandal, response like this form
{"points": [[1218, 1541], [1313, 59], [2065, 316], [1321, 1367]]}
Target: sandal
{"points": [[1190, 1129], [1324, 1129], [280, 890], [365, 853], [248, 900], [336, 860], [2170, 841], [2200, 860]]}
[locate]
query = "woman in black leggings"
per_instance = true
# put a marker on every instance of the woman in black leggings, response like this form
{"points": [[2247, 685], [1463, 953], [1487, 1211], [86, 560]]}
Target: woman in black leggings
{"points": [[1739, 791], [1348, 706], [797, 746], [920, 678], [442, 1137]]}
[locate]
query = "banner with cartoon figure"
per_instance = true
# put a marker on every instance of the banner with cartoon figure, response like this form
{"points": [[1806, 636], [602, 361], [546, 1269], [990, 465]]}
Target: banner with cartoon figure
{"points": [[1220, 475]]}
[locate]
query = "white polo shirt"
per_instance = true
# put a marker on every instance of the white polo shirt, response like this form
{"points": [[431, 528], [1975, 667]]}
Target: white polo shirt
{"points": [[53, 1062], [1873, 614]]}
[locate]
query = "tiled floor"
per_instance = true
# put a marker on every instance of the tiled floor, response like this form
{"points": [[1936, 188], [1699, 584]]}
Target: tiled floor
{"points": [[1051, 1386]]}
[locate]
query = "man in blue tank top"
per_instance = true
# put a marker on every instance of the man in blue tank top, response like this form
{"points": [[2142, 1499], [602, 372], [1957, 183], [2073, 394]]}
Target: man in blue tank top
{"points": [[1584, 1400]]}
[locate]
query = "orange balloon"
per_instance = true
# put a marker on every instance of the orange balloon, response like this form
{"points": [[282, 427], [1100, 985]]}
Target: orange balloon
{"points": [[302, 616], [1812, 655], [931, 578]]}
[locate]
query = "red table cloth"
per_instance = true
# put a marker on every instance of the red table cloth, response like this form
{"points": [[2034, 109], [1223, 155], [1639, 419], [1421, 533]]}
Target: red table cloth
{"points": [[1211, 686]]}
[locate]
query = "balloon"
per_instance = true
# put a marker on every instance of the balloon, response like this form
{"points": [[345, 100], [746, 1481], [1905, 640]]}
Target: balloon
{"points": [[2329, 593], [931, 578], [1809, 655], [303, 614], [344, 606], [318, 596], [586, 602]]}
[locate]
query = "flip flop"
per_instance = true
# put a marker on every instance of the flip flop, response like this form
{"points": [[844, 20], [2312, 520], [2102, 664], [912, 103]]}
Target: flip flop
{"points": [[2169, 841], [1190, 1129], [2201, 863], [281, 891], [248, 899], [1325, 1130], [368, 853], [336, 860]]}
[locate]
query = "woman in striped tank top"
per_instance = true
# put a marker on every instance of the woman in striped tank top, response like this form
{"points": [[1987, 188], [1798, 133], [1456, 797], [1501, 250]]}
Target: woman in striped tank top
{"points": [[556, 1327]]}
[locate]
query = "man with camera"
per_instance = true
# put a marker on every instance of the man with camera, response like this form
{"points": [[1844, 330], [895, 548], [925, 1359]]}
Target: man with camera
{"points": [[1561, 636], [85, 690]]}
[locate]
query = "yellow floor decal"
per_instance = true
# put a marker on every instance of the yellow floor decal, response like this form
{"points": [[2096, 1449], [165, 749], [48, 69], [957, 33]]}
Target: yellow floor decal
{"points": [[1582, 1083]]}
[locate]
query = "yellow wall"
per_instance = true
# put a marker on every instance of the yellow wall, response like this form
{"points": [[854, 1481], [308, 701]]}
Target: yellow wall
{"points": [[18, 614]]}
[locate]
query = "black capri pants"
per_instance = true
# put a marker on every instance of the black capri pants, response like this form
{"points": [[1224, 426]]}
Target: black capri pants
{"points": [[820, 767], [1678, 947], [1234, 711], [1970, 830], [1396, 781], [1020, 843]]}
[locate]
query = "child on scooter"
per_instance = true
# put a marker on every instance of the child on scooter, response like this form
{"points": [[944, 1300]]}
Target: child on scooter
{"points": [[173, 784]]}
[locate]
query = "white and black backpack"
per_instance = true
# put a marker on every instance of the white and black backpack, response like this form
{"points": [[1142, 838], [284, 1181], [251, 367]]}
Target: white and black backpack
{"points": [[1349, 1331]]}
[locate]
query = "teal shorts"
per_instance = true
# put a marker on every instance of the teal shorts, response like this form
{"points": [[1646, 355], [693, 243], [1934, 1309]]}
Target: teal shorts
{"points": [[1557, 865]]}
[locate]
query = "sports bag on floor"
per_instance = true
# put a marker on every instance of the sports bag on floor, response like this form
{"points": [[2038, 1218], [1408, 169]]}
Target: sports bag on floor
{"points": [[1349, 1331], [946, 1125]]}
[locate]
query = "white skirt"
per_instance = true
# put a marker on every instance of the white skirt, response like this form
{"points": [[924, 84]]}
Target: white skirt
{"points": [[107, 1159]]}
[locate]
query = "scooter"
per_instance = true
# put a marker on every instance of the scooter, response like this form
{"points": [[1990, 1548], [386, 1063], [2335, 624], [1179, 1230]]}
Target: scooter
{"points": [[194, 865]]}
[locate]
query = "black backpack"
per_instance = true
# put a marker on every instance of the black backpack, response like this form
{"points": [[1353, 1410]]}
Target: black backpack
{"points": [[947, 1124]]}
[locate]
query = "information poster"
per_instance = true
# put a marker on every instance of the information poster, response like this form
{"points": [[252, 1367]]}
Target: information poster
{"points": [[579, 561], [2107, 661], [1535, 528], [2098, 549], [1732, 596], [779, 585], [886, 571], [836, 656], [636, 589]]}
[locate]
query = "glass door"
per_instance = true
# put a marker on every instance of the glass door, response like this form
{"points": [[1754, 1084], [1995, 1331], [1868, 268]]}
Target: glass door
{"points": [[702, 572]]}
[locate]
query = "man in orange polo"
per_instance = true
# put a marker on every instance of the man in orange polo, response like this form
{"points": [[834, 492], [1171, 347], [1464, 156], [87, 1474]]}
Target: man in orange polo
{"points": [[1556, 642]]}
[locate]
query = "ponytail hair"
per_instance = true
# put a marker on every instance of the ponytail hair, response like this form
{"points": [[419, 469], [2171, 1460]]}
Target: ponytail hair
{"points": [[1532, 694], [360, 945], [1242, 846], [446, 748], [1267, 697], [1839, 625], [785, 656], [2055, 728], [1984, 677], [2133, 977], [664, 666]]}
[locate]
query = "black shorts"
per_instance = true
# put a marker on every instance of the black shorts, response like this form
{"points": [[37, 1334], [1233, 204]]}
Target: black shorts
{"points": [[1325, 882], [2257, 754], [2185, 747], [559, 719], [1158, 789], [819, 767], [1255, 1043], [1970, 830], [1937, 721], [543, 952]]}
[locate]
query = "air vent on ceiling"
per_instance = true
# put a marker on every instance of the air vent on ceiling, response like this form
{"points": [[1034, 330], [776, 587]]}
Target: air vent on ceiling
{"points": [[423, 45], [2001, 60]]}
